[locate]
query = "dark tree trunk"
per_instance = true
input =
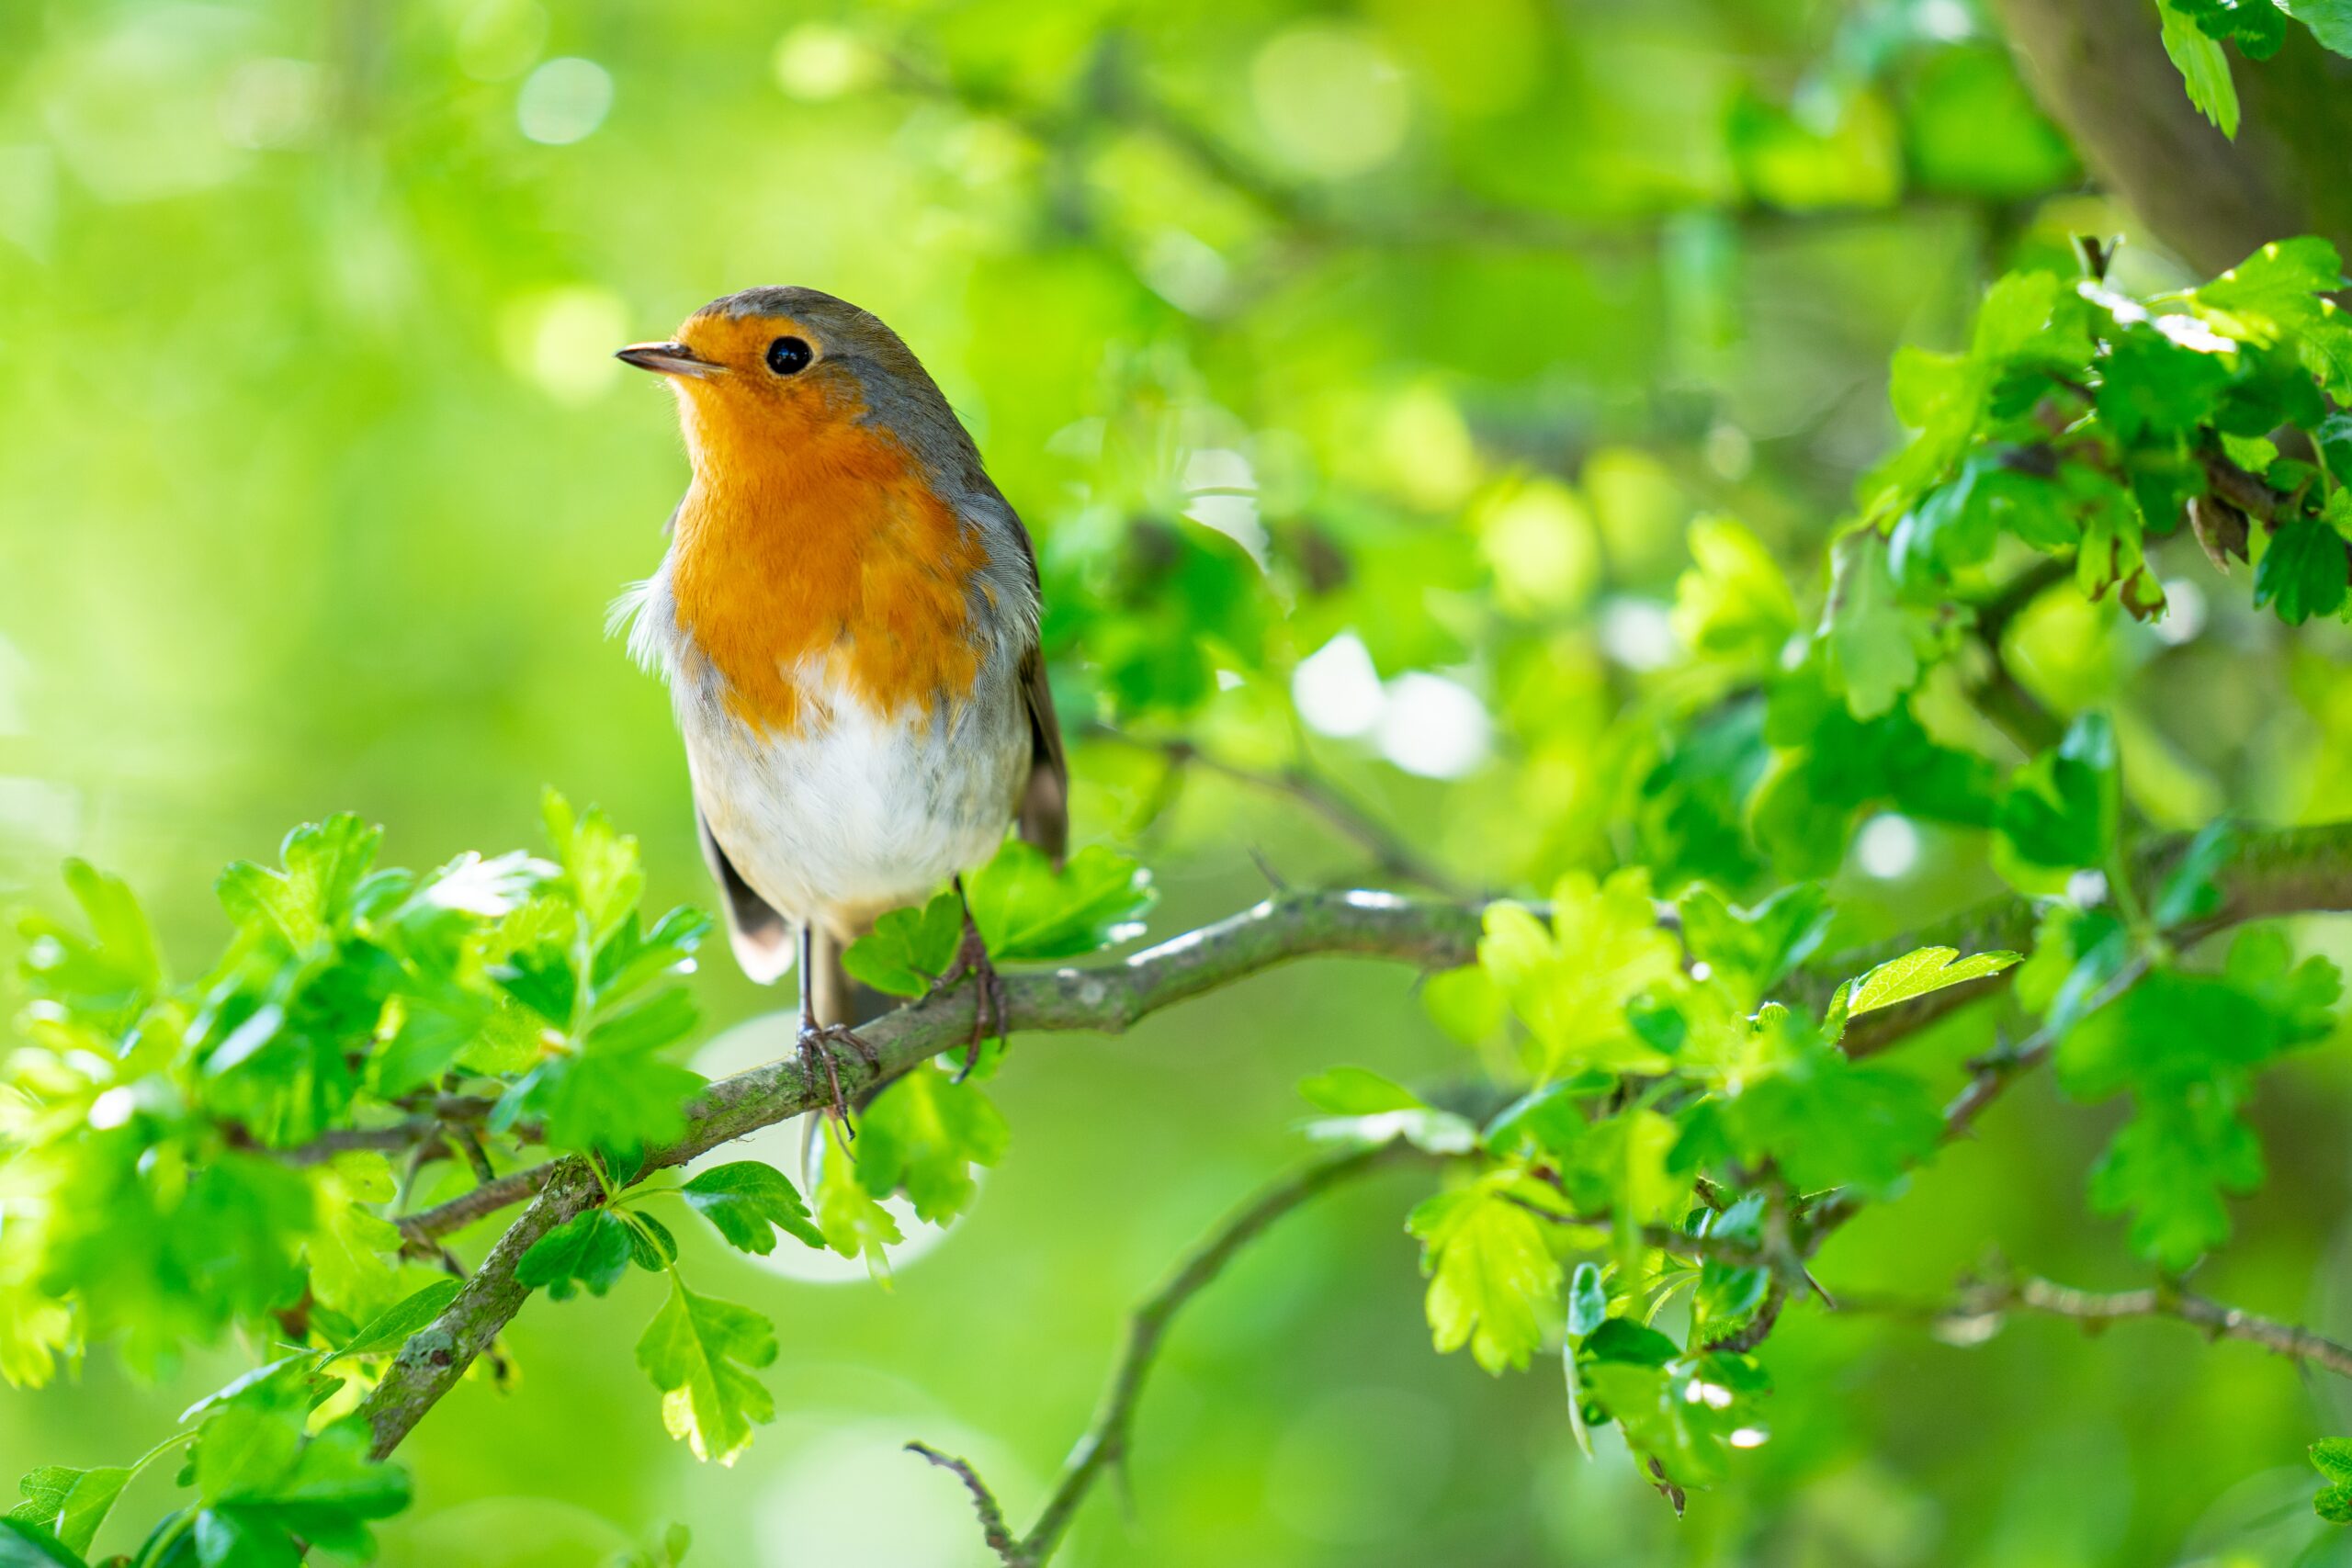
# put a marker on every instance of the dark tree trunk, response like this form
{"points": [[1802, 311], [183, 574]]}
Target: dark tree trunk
{"points": [[2099, 68]]}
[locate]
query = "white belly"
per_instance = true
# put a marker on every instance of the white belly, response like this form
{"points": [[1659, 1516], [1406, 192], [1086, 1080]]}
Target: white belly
{"points": [[838, 824]]}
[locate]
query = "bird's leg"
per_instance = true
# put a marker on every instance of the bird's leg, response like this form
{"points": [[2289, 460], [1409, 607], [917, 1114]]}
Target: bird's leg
{"points": [[817, 1039], [989, 1014]]}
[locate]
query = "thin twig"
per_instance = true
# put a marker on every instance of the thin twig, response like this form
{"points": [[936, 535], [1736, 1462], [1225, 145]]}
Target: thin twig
{"points": [[1980, 1305], [994, 1529], [1105, 1441]]}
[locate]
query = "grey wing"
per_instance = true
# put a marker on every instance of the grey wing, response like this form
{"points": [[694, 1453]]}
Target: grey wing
{"points": [[1044, 800], [761, 938]]}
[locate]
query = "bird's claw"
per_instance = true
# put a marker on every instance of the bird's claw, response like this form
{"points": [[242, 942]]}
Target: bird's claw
{"points": [[817, 1041], [990, 1014]]}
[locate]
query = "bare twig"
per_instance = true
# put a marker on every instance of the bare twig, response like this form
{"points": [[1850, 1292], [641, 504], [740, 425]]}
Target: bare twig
{"points": [[1980, 1305], [994, 1529], [1105, 1442]]}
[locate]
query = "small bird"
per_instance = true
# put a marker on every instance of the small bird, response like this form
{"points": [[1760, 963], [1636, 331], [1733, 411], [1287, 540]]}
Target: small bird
{"points": [[847, 619]]}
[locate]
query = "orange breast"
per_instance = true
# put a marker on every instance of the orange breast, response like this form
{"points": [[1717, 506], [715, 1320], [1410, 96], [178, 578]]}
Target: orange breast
{"points": [[820, 549]]}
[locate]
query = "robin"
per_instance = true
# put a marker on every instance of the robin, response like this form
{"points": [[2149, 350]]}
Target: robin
{"points": [[847, 619]]}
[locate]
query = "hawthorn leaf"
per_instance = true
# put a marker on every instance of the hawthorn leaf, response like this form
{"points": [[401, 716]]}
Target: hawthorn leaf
{"points": [[1831, 1123], [2062, 808], [1025, 909], [24, 1544], [2204, 68], [1874, 643], [747, 1202], [909, 950], [1921, 972], [601, 868], [2303, 572], [1569, 983], [389, 1329], [924, 1134], [854, 1222], [310, 897], [589, 1251], [69, 1503], [1492, 1276], [2172, 1169], [699, 1351]]}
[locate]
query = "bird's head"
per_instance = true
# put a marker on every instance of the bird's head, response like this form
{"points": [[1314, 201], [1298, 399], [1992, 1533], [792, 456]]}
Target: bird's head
{"points": [[778, 368]]}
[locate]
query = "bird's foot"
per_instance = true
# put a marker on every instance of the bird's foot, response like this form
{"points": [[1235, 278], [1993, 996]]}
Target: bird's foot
{"points": [[817, 1044], [988, 1013]]}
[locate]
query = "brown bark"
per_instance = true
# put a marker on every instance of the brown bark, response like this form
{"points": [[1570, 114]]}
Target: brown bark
{"points": [[2099, 68]]}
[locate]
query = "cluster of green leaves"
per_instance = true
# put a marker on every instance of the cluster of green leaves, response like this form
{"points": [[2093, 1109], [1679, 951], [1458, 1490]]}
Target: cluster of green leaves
{"points": [[179, 1157], [1652, 1072], [1679, 1126], [2195, 31], [2080, 424], [276, 1465]]}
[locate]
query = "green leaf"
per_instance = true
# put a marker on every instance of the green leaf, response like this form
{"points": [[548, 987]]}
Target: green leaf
{"points": [[2204, 68], [748, 1202], [614, 1091], [2062, 808], [2191, 889], [602, 872], [1492, 1276], [389, 1329], [1874, 644], [909, 950], [1465, 1003], [310, 900], [2303, 572], [1755, 948], [2172, 1168], [698, 1351], [1588, 1300], [924, 1134], [70, 1504], [2329, 21], [24, 1544], [1028, 909], [1918, 972], [1831, 1123], [2332, 1457], [1358, 1091], [1569, 983], [854, 1224], [589, 1251]]}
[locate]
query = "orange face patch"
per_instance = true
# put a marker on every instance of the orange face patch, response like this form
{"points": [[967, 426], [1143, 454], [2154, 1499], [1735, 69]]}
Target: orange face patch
{"points": [[810, 541]]}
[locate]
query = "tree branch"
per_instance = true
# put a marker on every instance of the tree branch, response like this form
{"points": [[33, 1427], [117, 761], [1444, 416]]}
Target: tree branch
{"points": [[1981, 1305], [2277, 872], [994, 1529], [1105, 1441]]}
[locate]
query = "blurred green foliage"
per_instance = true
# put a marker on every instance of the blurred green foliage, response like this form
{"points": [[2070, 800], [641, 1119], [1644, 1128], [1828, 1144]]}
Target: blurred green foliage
{"points": [[1458, 401]]}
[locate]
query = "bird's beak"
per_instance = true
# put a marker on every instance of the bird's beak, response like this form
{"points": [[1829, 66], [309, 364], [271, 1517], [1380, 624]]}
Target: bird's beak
{"points": [[668, 359]]}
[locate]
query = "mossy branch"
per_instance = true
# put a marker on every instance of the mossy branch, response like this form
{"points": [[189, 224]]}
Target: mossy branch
{"points": [[2276, 871]]}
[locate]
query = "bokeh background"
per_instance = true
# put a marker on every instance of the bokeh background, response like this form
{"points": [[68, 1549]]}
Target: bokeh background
{"points": [[1396, 344]]}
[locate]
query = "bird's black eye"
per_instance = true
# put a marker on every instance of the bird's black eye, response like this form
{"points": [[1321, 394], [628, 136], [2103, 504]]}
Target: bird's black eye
{"points": [[789, 356]]}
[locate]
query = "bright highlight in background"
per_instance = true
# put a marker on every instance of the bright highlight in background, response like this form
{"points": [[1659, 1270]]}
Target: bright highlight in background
{"points": [[1425, 724], [1337, 688], [564, 100], [1887, 847]]}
